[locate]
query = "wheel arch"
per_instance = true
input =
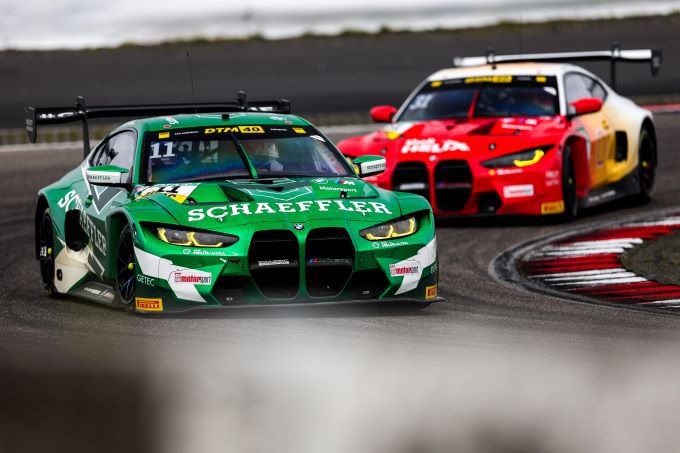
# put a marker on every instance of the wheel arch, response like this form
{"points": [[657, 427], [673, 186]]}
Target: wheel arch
{"points": [[648, 125], [579, 156], [40, 207], [114, 226]]}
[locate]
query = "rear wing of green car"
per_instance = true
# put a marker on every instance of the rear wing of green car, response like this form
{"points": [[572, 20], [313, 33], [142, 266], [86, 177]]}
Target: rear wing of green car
{"points": [[36, 116]]}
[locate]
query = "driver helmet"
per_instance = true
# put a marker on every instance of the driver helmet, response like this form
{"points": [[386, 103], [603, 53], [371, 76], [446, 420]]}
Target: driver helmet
{"points": [[268, 150]]}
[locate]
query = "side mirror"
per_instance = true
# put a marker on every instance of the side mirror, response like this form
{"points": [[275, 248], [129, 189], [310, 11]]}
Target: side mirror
{"points": [[383, 113], [369, 165], [584, 106], [107, 175]]}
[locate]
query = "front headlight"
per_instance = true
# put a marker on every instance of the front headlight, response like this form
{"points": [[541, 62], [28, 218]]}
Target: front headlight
{"points": [[520, 159], [189, 238], [391, 230]]}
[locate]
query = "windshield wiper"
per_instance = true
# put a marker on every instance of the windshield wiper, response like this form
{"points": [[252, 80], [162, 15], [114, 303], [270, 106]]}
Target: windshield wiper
{"points": [[242, 154]]}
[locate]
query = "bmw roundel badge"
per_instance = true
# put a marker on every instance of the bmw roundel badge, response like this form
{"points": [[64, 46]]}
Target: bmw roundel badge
{"points": [[299, 226]]}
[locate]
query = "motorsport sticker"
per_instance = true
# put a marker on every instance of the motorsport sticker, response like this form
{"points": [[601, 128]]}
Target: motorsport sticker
{"points": [[164, 135], [337, 189], [143, 304], [188, 277], [430, 292], [273, 263], [555, 207], [238, 209], [524, 190], [409, 267], [179, 193], [298, 130], [430, 145]]}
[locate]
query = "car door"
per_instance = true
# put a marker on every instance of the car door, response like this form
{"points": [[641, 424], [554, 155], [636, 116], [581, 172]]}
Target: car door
{"points": [[596, 126], [118, 149]]}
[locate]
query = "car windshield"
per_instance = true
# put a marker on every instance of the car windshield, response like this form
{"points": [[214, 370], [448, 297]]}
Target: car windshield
{"points": [[497, 96], [258, 151]]}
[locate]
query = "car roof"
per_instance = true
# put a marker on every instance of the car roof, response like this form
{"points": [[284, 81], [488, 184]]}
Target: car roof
{"points": [[161, 123], [515, 69]]}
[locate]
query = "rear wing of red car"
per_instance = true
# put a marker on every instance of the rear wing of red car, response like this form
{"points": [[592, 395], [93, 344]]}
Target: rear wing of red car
{"points": [[36, 116], [653, 57]]}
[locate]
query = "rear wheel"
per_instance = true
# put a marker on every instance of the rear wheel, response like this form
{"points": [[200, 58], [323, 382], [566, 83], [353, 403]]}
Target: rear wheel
{"points": [[125, 268], [46, 252], [568, 185], [646, 166]]}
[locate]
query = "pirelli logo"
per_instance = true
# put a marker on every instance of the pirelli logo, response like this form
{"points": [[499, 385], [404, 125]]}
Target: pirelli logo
{"points": [[143, 304], [430, 292], [555, 207], [241, 129]]}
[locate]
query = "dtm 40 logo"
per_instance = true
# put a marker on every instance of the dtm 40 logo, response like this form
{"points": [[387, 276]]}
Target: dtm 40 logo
{"points": [[241, 129]]}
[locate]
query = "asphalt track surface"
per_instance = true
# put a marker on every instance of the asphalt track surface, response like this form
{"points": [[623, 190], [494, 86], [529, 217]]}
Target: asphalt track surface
{"points": [[112, 353], [478, 309], [319, 75]]}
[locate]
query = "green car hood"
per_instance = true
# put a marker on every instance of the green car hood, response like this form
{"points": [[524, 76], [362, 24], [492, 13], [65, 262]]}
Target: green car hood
{"points": [[223, 204]]}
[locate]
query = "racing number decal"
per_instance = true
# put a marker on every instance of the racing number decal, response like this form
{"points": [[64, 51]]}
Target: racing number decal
{"points": [[156, 148]]}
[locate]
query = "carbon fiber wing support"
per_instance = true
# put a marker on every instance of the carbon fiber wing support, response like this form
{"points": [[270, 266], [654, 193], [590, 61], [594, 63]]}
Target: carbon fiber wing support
{"points": [[615, 54], [36, 116]]}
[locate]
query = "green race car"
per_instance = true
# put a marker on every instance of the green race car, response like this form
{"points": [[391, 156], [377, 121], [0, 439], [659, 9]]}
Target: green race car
{"points": [[220, 205]]}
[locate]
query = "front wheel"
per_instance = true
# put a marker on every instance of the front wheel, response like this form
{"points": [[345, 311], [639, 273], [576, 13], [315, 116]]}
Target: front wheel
{"points": [[125, 268], [46, 252], [568, 186], [646, 167]]}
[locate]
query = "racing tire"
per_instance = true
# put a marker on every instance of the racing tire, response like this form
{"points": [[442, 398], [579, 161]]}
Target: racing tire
{"points": [[46, 252], [568, 186], [125, 269], [646, 167]]}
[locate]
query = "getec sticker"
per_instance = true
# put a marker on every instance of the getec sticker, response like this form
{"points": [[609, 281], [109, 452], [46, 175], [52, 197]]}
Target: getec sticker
{"points": [[241, 129], [143, 304]]}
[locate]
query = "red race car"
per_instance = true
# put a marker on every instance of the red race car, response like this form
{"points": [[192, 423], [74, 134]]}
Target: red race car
{"points": [[516, 134]]}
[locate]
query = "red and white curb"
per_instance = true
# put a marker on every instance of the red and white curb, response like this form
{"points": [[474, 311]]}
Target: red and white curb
{"points": [[589, 264]]}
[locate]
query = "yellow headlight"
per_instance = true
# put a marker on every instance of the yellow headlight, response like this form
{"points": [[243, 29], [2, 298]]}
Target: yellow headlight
{"points": [[391, 230], [538, 155], [193, 238], [176, 237]]}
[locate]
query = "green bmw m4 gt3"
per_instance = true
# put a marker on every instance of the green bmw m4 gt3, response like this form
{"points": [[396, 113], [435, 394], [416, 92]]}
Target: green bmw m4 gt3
{"points": [[232, 204]]}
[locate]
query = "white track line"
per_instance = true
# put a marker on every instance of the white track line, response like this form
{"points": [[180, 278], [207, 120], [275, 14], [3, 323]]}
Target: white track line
{"points": [[580, 273], [587, 278], [609, 281]]}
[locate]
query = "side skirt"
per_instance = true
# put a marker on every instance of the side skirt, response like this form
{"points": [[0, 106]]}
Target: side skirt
{"points": [[627, 186]]}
